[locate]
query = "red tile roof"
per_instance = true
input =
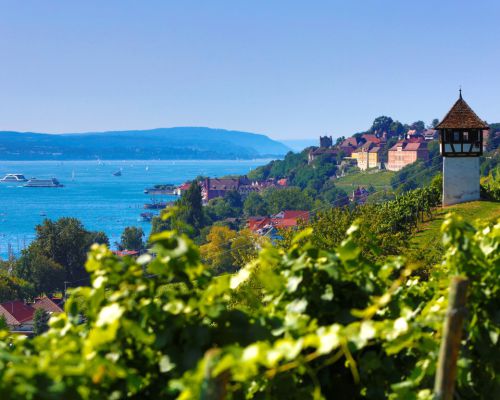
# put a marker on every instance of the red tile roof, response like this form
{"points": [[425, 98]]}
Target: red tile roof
{"points": [[408, 145], [47, 304], [461, 116], [16, 312], [122, 253], [371, 138], [350, 141], [222, 183], [287, 214], [284, 219], [415, 146], [256, 223]]}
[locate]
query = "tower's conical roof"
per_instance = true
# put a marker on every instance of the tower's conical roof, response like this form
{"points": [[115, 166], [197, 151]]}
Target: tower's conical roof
{"points": [[461, 116]]}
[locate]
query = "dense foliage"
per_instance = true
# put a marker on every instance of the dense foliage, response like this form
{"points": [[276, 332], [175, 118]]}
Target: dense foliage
{"points": [[490, 187], [297, 324], [385, 229], [132, 239], [57, 255]]}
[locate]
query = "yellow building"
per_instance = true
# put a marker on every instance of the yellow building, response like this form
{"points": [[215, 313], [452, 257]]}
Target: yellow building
{"points": [[368, 156]]}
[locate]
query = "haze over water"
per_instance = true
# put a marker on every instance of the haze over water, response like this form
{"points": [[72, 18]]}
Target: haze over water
{"points": [[100, 200]]}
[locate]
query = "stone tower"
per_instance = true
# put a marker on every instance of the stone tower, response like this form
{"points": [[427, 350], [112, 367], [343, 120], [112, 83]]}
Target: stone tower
{"points": [[325, 141], [461, 143]]}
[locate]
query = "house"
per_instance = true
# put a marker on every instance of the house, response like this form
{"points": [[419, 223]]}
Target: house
{"points": [[18, 315], [367, 156], [50, 305], [348, 146], [219, 187], [290, 217], [430, 134], [406, 152], [359, 195], [268, 226], [347, 150], [179, 190]]}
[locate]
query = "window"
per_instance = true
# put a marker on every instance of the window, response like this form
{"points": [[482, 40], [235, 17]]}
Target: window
{"points": [[456, 137], [466, 137]]}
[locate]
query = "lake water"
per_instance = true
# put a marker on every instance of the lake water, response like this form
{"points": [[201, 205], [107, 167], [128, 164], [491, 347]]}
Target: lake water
{"points": [[92, 194]]}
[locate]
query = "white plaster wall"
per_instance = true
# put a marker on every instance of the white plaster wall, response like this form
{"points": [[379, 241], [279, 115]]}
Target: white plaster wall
{"points": [[460, 180]]}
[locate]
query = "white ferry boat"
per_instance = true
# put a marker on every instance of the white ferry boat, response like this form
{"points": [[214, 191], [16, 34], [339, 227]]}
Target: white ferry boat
{"points": [[13, 178], [33, 182]]}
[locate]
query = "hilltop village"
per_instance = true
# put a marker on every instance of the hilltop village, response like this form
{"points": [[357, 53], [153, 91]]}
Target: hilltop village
{"points": [[368, 167]]}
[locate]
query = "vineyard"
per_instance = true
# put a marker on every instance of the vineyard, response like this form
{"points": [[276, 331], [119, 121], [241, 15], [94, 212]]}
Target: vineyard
{"points": [[296, 324]]}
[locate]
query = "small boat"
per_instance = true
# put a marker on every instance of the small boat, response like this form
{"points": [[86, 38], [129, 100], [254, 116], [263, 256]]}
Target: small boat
{"points": [[34, 182], [117, 173], [13, 178]]}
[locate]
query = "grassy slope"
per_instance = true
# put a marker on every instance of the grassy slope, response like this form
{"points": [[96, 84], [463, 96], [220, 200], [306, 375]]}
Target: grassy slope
{"points": [[429, 232], [380, 180]]}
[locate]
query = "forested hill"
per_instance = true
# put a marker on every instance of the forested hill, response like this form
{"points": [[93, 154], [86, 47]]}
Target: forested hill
{"points": [[162, 143]]}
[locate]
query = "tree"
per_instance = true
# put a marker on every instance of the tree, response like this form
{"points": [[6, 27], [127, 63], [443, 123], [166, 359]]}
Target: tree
{"points": [[381, 124], [64, 242], [187, 215], [132, 239], [255, 205], [217, 252], [419, 126], [40, 322], [159, 224], [396, 128], [3, 323], [245, 247], [233, 199], [12, 287], [334, 195], [339, 140], [99, 238], [286, 199], [434, 123], [46, 275]]}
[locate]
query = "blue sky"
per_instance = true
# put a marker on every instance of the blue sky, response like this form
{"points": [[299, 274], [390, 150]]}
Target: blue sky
{"points": [[289, 69]]}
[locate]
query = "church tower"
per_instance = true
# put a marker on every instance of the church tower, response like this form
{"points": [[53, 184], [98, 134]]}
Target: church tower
{"points": [[461, 142]]}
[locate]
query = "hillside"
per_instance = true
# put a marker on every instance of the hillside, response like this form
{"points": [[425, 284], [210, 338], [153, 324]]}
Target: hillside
{"points": [[429, 232], [379, 180], [162, 143]]}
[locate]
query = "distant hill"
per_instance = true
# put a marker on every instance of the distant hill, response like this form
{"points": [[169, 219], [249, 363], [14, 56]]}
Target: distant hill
{"points": [[162, 143]]}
